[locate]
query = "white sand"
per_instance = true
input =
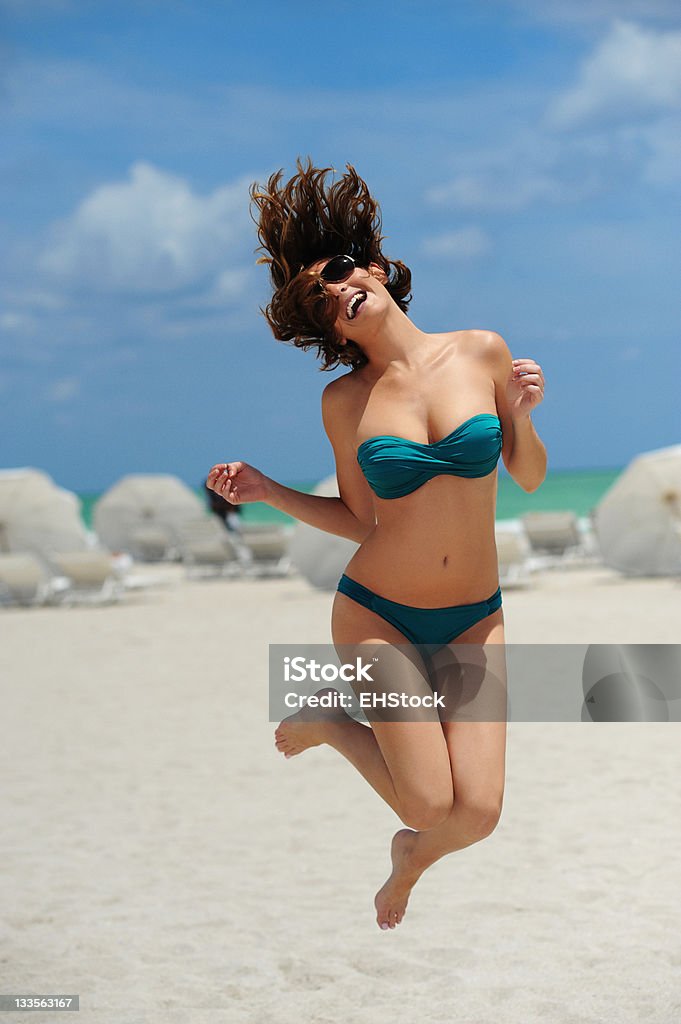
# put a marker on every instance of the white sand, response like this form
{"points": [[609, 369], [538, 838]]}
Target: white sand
{"points": [[161, 859]]}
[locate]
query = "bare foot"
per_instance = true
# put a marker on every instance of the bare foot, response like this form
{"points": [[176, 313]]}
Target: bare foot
{"points": [[306, 728], [391, 899]]}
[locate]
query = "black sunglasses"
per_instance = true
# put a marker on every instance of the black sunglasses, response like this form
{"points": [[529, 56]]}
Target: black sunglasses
{"points": [[338, 269]]}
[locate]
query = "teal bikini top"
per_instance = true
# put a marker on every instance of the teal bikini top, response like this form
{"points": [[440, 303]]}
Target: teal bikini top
{"points": [[394, 466]]}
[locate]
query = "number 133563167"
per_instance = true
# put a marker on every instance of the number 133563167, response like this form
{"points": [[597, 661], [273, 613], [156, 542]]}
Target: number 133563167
{"points": [[39, 1002]]}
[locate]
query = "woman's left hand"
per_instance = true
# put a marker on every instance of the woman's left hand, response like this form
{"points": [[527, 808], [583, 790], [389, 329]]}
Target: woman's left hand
{"points": [[525, 388]]}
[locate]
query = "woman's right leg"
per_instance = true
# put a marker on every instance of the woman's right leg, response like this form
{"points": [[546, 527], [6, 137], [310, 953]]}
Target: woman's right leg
{"points": [[406, 762]]}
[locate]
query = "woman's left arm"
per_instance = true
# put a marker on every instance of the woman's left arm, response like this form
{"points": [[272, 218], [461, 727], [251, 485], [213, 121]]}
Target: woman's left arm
{"points": [[519, 388]]}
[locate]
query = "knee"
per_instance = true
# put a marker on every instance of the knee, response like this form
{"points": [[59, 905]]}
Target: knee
{"points": [[426, 813], [481, 818]]}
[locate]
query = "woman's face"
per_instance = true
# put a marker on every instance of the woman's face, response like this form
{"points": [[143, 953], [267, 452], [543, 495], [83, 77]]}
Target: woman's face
{"points": [[360, 299]]}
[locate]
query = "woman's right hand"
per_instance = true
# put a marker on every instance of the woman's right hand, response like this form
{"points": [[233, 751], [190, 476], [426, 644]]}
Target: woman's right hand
{"points": [[238, 482]]}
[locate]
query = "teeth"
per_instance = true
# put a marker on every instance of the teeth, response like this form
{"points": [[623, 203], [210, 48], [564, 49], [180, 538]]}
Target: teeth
{"points": [[353, 303]]}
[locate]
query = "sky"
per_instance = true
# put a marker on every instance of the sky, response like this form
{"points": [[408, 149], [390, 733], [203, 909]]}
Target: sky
{"points": [[526, 155]]}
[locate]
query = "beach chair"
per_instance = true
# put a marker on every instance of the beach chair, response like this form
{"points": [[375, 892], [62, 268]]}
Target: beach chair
{"points": [[555, 538], [23, 580], [268, 546], [90, 577], [208, 549], [513, 554], [152, 544]]}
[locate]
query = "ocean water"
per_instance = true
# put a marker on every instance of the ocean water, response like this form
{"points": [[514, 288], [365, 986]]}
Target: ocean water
{"points": [[573, 490]]}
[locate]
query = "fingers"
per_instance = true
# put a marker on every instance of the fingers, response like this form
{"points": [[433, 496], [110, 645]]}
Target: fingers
{"points": [[526, 366], [528, 372], [215, 472], [225, 486], [518, 362], [221, 479], [229, 468]]}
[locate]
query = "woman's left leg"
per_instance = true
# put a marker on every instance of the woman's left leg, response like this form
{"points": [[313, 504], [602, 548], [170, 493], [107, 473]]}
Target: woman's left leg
{"points": [[477, 752]]}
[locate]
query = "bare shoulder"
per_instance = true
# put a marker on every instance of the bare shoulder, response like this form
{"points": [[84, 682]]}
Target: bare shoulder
{"points": [[338, 387], [339, 398], [486, 344], [341, 391]]}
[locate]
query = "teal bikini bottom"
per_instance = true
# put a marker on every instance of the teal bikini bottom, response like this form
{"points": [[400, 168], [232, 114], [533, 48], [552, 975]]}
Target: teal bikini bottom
{"points": [[431, 626]]}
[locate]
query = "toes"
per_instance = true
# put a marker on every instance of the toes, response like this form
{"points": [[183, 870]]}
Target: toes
{"points": [[383, 920], [282, 739], [389, 919], [287, 748]]}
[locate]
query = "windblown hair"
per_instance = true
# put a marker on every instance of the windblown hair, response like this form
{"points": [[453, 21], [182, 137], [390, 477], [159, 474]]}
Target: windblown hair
{"points": [[308, 219]]}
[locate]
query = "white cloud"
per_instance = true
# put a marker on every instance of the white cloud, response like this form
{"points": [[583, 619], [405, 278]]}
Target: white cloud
{"points": [[228, 286], [611, 145], [64, 390], [37, 299], [16, 321], [149, 233], [531, 169], [504, 189], [464, 244], [633, 72]]}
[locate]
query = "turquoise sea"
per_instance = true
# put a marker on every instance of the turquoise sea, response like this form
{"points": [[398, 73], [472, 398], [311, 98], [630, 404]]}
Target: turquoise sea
{"points": [[576, 490]]}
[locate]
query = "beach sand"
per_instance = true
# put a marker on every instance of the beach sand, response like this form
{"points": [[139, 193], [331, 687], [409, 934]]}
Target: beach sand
{"points": [[161, 859]]}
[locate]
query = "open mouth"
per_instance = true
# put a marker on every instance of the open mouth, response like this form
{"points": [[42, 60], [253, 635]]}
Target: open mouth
{"points": [[354, 305]]}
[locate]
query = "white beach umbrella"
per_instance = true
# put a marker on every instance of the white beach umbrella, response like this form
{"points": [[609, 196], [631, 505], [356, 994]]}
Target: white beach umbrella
{"points": [[638, 520], [319, 556], [38, 516], [141, 504]]}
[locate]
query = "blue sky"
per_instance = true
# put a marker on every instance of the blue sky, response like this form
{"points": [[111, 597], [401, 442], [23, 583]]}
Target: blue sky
{"points": [[527, 158]]}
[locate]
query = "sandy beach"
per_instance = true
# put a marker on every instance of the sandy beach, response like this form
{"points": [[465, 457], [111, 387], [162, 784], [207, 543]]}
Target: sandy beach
{"points": [[162, 860]]}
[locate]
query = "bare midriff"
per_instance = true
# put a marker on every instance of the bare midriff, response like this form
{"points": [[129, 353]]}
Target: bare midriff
{"points": [[435, 546]]}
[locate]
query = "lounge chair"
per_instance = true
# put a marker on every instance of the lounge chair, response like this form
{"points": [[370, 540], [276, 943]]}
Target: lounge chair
{"points": [[556, 539], [23, 580], [268, 549], [91, 577], [152, 544], [208, 549]]}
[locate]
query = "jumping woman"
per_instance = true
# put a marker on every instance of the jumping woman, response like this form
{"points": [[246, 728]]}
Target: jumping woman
{"points": [[417, 426]]}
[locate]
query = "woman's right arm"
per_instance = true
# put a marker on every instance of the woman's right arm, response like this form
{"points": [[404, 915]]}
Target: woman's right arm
{"points": [[351, 515], [329, 514]]}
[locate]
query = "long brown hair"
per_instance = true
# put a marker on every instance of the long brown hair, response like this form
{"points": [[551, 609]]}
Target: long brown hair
{"points": [[305, 220]]}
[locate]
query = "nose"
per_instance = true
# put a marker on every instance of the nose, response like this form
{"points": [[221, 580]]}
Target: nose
{"points": [[336, 288]]}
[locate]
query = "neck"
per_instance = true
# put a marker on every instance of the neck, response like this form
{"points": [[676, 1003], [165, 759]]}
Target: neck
{"points": [[395, 341]]}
